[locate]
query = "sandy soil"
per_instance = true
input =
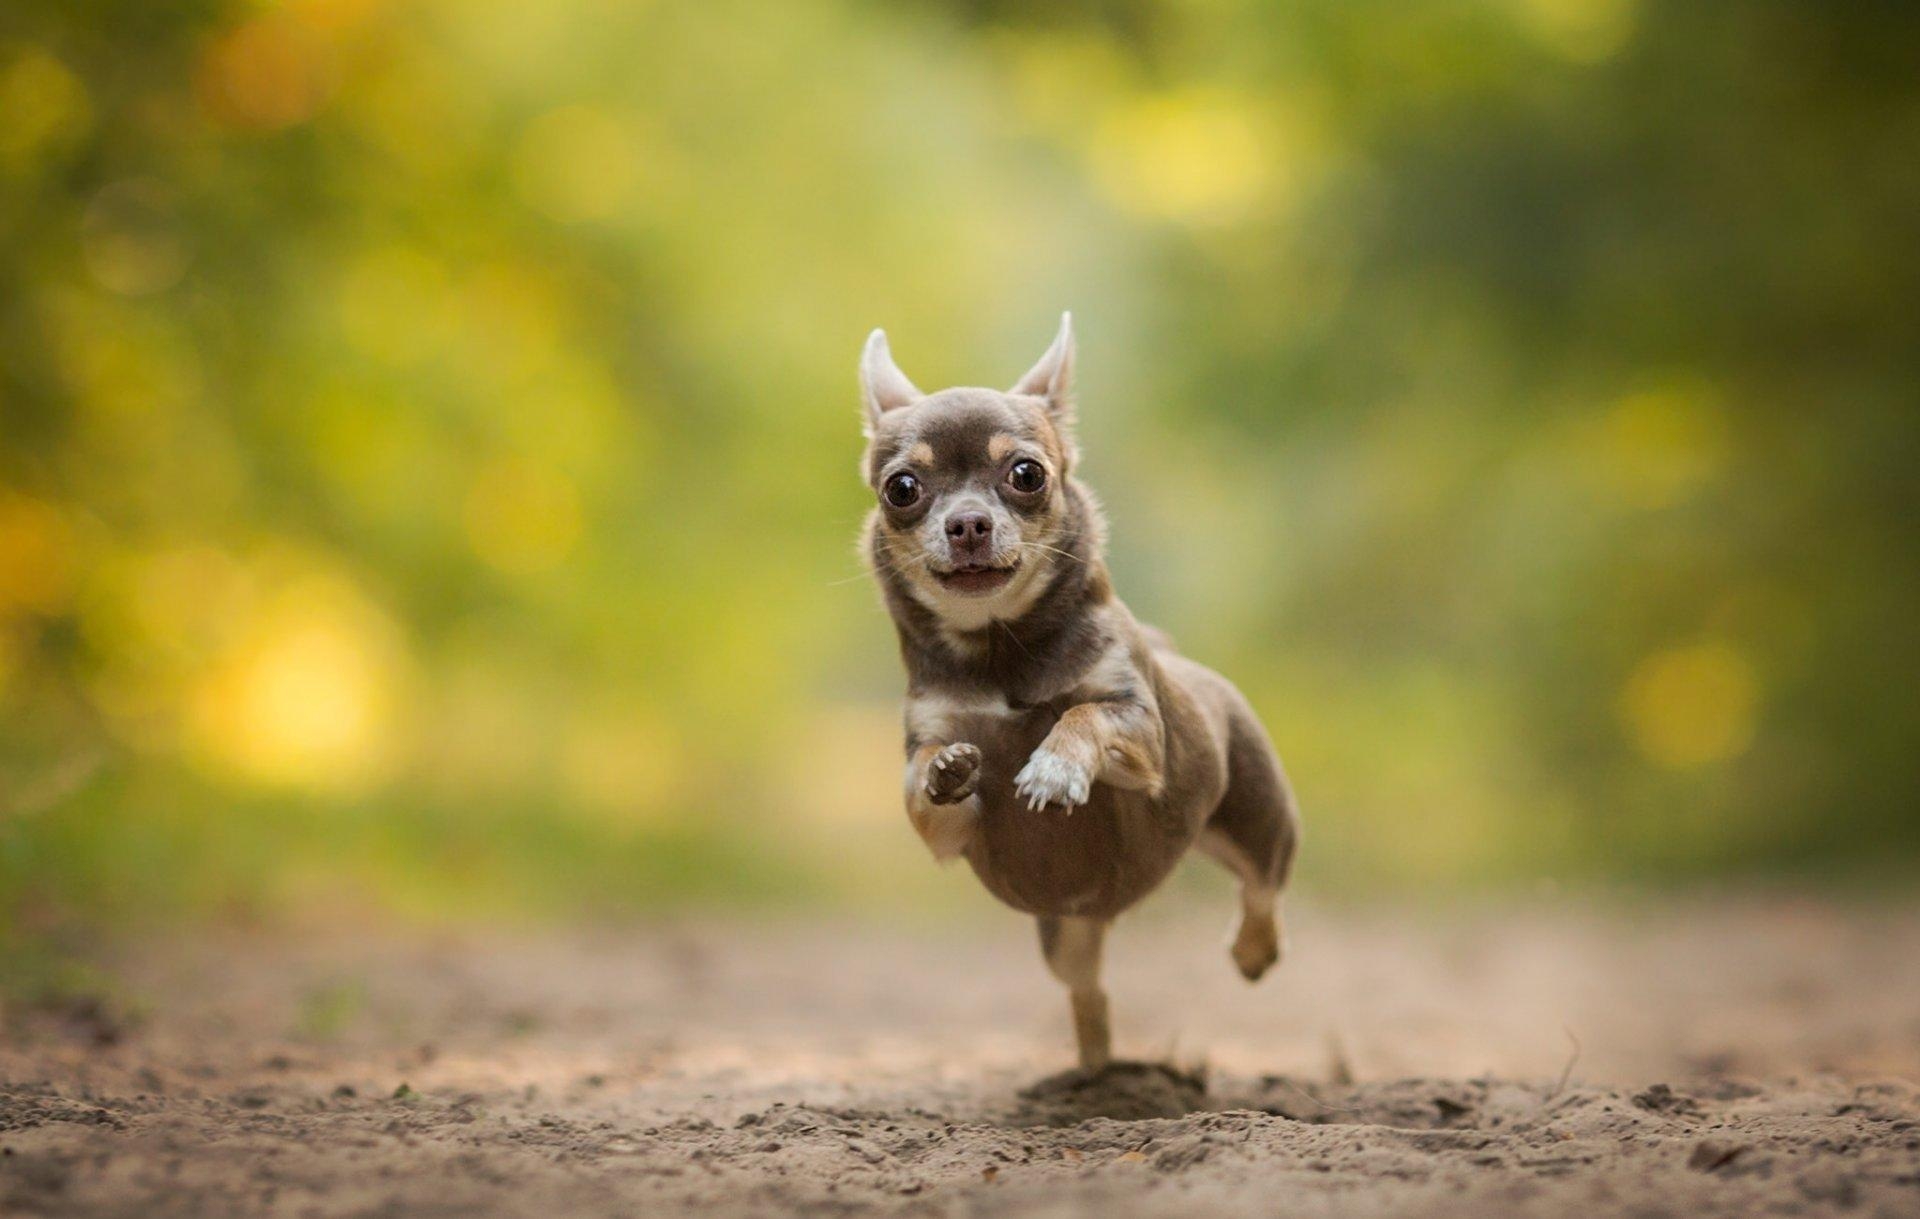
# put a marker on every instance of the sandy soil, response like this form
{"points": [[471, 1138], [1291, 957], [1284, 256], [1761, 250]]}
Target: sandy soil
{"points": [[1736, 1057]]}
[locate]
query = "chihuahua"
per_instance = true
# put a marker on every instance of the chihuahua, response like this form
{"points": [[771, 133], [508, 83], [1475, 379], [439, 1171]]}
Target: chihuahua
{"points": [[1068, 752]]}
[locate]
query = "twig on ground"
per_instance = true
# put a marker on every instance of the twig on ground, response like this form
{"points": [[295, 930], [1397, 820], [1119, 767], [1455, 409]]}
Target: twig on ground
{"points": [[1311, 1099], [1339, 1069], [1566, 1072]]}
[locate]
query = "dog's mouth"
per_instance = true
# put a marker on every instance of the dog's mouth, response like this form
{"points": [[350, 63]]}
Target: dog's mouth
{"points": [[973, 579]]}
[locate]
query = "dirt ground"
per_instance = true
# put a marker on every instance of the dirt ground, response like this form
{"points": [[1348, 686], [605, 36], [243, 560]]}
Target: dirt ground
{"points": [[1732, 1057]]}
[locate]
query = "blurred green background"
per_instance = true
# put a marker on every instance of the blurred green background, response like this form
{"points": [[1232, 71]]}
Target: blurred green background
{"points": [[428, 476]]}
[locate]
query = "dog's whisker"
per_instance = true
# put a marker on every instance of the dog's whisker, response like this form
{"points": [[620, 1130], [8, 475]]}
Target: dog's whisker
{"points": [[1065, 554], [886, 563], [889, 562], [1007, 630]]}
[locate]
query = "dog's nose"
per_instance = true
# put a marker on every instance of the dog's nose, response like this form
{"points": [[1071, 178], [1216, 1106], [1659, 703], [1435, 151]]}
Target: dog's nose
{"points": [[969, 528]]}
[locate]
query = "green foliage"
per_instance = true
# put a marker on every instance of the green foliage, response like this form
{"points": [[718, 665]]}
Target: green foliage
{"points": [[426, 476]]}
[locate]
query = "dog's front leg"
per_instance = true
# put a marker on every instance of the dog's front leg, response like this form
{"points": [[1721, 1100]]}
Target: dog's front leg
{"points": [[941, 802], [1115, 740]]}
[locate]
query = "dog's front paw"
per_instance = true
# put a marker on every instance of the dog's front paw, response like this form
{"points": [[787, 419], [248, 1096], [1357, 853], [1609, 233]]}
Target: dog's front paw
{"points": [[1050, 777], [953, 773]]}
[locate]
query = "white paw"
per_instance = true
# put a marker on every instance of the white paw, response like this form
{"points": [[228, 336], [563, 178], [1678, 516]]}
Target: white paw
{"points": [[1050, 778]]}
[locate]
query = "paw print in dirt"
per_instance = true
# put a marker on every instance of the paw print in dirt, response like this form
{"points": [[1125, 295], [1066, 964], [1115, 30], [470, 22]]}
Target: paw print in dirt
{"points": [[953, 773]]}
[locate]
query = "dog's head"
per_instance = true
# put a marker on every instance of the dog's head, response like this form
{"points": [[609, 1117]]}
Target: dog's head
{"points": [[971, 484]]}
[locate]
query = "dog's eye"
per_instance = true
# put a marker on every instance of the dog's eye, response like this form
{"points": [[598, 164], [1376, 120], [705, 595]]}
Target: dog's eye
{"points": [[902, 490], [1027, 477]]}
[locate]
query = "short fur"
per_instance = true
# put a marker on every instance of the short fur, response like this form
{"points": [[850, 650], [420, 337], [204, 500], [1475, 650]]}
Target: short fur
{"points": [[1068, 752]]}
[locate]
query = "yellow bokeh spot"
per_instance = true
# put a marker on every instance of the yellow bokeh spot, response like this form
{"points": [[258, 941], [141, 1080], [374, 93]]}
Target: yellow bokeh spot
{"points": [[862, 782], [413, 109], [1197, 156], [396, 303], [43, 105], [188, 600], [577, 163], [265, 75], [334, 17], [517, 313], [1058, 77], [522, 519], [1658, 447], [621, 763], [1583, 30], [133, 374], [307, 699], [36, 556], [1691, 706], [159, 622]]}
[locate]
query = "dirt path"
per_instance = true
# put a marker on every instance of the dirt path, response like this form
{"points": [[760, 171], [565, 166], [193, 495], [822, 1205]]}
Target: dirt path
{"points": [[1741, 1057]]}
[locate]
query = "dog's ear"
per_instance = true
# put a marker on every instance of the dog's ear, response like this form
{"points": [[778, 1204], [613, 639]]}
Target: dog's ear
{"points": [[883, 387], [1052, 378]]}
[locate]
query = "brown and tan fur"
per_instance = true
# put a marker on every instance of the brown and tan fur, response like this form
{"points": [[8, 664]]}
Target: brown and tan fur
{"points": [[1066, 751]]}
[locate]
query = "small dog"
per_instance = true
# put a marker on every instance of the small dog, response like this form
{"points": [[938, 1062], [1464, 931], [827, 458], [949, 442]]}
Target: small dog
{"points": [[1066, 750]]}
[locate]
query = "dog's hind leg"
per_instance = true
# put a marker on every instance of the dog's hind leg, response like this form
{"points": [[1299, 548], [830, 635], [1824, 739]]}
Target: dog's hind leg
{"points": [[1072, 947], [1253, 834]]}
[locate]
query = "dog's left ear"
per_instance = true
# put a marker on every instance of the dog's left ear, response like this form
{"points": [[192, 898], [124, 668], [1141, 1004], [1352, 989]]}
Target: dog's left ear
{"points": [[1052, 378], [883, 387]]}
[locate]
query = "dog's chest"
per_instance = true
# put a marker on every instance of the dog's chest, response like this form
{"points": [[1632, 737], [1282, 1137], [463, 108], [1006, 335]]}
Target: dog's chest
{"points": [[1096, 860], [998, 725]]}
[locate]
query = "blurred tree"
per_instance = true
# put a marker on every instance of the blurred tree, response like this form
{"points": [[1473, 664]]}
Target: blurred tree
{"points": [[426, 466]]}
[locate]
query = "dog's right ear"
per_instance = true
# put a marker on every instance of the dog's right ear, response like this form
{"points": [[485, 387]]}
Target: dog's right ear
{"points": [[883, 387]]}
